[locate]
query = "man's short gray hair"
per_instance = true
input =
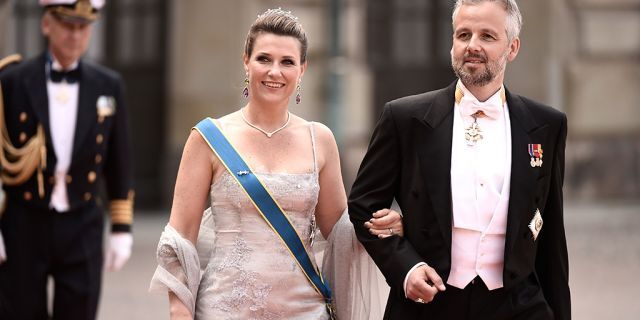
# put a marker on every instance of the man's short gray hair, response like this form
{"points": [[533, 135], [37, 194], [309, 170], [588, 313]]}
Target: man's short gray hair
{"points": [[514, 18]]}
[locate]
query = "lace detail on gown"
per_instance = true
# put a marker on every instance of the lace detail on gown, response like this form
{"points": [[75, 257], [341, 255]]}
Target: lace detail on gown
{"points": [[251, 275], [237, 255], [247, 290]]}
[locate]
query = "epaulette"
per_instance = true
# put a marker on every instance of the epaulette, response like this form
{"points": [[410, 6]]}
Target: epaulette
{"points": [[11, 59]]}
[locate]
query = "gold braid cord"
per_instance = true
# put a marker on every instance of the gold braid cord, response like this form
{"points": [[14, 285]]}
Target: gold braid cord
{"points": [[19, 164]]}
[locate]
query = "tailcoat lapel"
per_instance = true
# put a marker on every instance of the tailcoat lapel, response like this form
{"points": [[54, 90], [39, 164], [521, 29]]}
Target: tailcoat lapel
{"points": [[433, 134], [524, 130]]}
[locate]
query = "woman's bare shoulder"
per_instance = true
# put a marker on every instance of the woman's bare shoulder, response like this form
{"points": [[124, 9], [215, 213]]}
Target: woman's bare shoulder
{"points": [[323, 133]]}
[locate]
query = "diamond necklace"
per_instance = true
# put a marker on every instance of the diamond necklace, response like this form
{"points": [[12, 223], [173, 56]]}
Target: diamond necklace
{"points": [[268, 134]]}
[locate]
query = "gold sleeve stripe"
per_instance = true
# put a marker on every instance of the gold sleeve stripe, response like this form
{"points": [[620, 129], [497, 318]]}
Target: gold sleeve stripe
{"points": [[121, 216], [120, 206], [122, 210]]}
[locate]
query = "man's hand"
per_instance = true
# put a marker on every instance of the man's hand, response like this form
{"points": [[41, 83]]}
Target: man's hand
{"points": [[423, 284], [385, 223], [3, 253], [118, 250]]}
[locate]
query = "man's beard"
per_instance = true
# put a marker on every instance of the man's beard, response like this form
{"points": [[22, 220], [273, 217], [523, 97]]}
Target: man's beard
{"points": [[478, 78]]}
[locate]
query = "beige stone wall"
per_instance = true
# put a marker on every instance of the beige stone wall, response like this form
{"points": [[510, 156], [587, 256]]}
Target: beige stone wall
{"points": [[5, 28], [205, 63], [357, 95], [601, 82], [604, 97], [604, 77], [204, 70], [529, 73]]}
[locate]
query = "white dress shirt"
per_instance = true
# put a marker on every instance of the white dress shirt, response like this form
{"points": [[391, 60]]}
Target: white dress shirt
{"points": [[63, 111]]}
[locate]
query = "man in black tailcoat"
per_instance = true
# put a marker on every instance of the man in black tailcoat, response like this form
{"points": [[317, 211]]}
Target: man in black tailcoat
{"points": [[477, 171]]}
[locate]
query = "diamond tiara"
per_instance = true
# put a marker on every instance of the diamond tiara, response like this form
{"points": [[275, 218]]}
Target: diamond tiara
{"points": [[280, 12]]}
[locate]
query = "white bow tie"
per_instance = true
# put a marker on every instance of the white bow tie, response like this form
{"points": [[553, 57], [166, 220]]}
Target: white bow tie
{"points": [[492, 108]]}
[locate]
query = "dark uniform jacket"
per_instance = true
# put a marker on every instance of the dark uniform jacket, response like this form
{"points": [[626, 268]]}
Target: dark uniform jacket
{"points": [[409, 160], [101, 145]]}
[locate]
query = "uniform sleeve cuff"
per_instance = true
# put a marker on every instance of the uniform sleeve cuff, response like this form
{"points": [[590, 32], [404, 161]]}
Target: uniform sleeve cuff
{"points": [[121, 210], [120, 228]]}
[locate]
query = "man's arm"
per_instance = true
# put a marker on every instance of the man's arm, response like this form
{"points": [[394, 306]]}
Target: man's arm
{"points": [[119, 177], [118, 168], [374, 189], [552, 262]]}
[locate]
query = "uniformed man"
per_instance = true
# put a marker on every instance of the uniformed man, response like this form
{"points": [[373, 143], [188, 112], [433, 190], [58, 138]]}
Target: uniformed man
{"points": [[66, 133]]}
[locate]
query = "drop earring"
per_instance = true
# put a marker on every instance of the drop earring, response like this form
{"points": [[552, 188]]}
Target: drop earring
{"points": [[245, 91], [298, 93]]}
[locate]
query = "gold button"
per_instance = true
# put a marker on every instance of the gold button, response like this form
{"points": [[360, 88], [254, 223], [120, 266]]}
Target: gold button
{"points": [[87, 196], [98, 158], [91, 177], [23, 137], [23, 117], [99, 138], [27, 195], [68, 178]]}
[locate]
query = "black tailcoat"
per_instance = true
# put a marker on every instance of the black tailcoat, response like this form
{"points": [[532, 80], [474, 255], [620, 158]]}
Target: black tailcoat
{"points": [[409, 160]]}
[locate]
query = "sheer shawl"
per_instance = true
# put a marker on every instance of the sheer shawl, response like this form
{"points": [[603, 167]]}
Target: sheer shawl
{"points": [[359, 289], [180, 263]]}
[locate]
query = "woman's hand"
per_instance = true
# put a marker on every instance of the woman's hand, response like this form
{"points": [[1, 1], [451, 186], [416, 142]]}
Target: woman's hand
{"points": [[385, 223]]}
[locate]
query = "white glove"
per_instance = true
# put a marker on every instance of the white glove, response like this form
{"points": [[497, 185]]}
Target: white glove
{"points": [[3, 253], [118, 250]]}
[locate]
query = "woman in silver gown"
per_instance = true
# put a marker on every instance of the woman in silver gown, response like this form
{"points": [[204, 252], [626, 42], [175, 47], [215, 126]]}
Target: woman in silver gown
{"points": [[238, 267]]}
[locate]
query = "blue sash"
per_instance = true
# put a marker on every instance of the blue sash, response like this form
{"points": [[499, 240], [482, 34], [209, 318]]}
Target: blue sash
{"points": [[263, 201]]}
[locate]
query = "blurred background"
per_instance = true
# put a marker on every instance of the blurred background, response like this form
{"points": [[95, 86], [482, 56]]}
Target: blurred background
{"points": [[181, 61]]}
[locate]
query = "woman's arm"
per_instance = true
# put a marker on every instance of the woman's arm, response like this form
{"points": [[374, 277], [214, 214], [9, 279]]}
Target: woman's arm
{"points": [[189, 201], [332, 200], [192, 187]]}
